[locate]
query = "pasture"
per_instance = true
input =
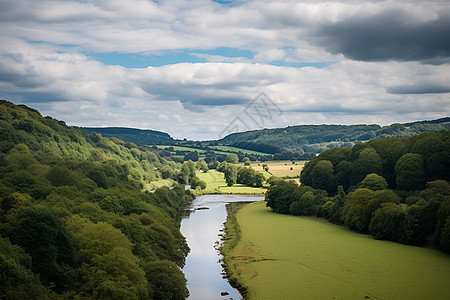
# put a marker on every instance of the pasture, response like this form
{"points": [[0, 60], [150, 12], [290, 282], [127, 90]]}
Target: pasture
{"points": [[282, 168], [288, 257], [215, 184]]}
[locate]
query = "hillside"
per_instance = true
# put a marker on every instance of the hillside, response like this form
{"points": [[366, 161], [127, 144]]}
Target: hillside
{"points": [[289, 143], [317, 138], [77, 219], [138, 136]]}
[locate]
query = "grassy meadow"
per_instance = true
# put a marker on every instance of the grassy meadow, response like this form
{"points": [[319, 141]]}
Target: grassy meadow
{"points": [[280, 168], [215, 184], [288, 257]]}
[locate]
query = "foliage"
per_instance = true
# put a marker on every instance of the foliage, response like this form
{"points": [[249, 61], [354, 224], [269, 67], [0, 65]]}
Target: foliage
{"points": [[232, 158], [317, 138], [374, 182], [415, 213], [77, 218], [136, 136], [166, 280], [410, 172], [398, 160]]}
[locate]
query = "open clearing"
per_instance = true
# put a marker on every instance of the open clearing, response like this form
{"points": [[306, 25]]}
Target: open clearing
{"points": [[215, 184], [289, 257], [280, 168]]}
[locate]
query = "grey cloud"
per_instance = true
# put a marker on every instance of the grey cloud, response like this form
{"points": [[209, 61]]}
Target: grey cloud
{"points": [[388, 35], [418, 89]]}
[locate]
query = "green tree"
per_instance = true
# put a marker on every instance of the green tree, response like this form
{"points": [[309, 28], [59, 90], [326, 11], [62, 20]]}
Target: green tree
{"points": [[196, 182], [166, 172], [410, 172], [61, 175], [323, 176], [420, 222], [344, 174], [230, 174], [368, 162], [379, 197], [445, 236], [203, 166], [18, 282], [305, 206], [109, 268], [232, 158], [387, 221], [442, 218], [353, 211], [166, 280], [336, 208], [39, 232], [193, 156], [374, 182], [281, 194]]}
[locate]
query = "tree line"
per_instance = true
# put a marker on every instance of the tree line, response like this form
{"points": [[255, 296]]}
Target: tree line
{"points": [[305, 139], [80, 218], [240, 174], [392, 188]]}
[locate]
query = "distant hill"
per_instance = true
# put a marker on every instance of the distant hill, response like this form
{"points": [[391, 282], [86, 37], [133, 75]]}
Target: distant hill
{"points": [[317, 138], [140, 137]]}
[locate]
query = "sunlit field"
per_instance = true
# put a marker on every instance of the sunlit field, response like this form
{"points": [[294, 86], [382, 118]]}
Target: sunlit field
{"points": [[282, 168], [215, 184], [289, 257]]}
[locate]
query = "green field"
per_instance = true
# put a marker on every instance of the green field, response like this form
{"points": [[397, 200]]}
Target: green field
{"points": [[234, 149], [180, 148], [215, 184], [280, 168], [288, 257]]}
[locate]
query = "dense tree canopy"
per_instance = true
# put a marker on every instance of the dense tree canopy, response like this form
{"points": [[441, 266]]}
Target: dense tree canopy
{"points": [[80, 214]]}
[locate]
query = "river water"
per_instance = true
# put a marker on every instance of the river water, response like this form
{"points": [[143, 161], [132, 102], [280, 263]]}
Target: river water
{"points": [[201, 225]]}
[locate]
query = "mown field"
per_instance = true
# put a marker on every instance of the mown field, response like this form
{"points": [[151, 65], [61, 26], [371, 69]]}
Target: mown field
{"points": [[282, 168], [215, 184], [288, 257]]}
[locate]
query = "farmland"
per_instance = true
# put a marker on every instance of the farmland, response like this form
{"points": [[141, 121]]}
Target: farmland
{"points": [[288, 257], [282, 168], [215, 184], [236, 150]]}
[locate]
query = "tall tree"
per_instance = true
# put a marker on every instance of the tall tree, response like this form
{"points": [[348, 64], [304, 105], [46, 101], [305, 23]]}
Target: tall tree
{"points": [[323, 176], [368, 162], [410, 172]]}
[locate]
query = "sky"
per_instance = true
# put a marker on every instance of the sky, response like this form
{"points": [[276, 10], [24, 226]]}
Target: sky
{"points": [[200, 69]]}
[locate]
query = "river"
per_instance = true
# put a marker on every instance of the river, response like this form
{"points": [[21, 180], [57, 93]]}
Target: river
{"points": [[201, 225]]}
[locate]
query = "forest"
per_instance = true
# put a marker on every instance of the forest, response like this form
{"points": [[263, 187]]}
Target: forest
{"points": [[137, 136], [81, 216], [299, 140], [392, 188]]}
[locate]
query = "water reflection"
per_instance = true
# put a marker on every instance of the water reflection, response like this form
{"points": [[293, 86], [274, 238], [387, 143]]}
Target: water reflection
{"points": [[201, 228]]}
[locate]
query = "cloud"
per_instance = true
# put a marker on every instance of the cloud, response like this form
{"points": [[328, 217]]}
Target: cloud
{"points": [[377, 61], [270, 55], [419, 89], [390, 33]]}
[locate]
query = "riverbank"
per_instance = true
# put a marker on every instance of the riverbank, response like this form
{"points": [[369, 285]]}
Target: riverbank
{"points": [[202, 224], [274, 256]]}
